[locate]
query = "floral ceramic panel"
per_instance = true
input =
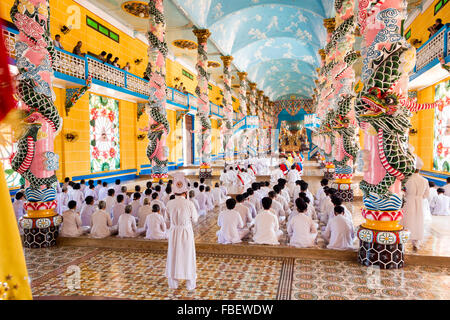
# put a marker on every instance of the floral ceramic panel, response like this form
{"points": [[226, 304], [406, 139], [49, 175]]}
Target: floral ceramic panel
{"points": [[104, 133], [7, 149], [441, 148]]}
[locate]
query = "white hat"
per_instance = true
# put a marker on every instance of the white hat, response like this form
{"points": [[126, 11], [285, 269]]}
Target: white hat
{"points": [[419, 163], [180, 183]]}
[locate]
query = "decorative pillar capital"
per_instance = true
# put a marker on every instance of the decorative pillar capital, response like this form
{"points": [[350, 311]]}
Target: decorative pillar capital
{"points": [[242, 76], [226, 60], [260, 93], [322, 54], [202, 35], [252, 85], [330, 24]]}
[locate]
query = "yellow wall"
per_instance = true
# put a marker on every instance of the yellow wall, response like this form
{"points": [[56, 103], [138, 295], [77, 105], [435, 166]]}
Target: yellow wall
{"points": [[425, 20], [423, 122]]}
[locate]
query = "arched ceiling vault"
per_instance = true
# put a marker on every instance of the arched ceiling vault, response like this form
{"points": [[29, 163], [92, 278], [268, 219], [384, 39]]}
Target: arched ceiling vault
{"points": [[276, 42]]}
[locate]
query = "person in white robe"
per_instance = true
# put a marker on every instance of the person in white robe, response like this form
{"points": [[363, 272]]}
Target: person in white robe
{"points": [[71, 226], [339, 233], [124, 192], [86, 211], [230, 222], [103, 192], [276, 174], [77, 196], [447, 187], [320, 194], [203, 201], [245, 213], [282, 200], [155, 225], [136, 204], [293, 175], [18, 203], [166, 194], [248, 203], [110, 201], [276, 207], [62, 200], [118, 209], [127, 224], [210, 201], [143, 212], [181, 257], [117, 187], [101, 223], [440, 204], [193, 200], [218, 196], [266, 229], [301, 228], [97, 188], [417, 189], [90, 191]]}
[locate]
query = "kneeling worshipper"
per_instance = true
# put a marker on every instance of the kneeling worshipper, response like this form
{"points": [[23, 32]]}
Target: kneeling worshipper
{"points": [[193, 200], [127, 224], [203, 201], [417, 189], [230, 222], [292, 176], [441, 203], [218, 195], [101, 224], [155, 225], [267, 229], [181, 258], [87, 211], [301, 228], [118, 209], [339, 233], [276, 174], [72, 226], [143, 212]]}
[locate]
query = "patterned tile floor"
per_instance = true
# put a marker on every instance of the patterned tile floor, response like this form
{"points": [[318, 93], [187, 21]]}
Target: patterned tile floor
{"points": [[138, 274]]}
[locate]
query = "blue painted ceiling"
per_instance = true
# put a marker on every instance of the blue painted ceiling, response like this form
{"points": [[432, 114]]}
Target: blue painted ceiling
{"points": [[276, 42]]}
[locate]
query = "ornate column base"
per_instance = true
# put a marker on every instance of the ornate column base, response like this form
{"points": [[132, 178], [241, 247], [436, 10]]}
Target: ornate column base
{"points": [[345, 194], [205, 172], [327, 174], [384, 249], [160, 173], [40, 232]]}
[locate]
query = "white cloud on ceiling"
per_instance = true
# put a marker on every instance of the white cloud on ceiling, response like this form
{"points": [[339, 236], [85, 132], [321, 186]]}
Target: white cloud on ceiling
{"points": [[257, 34], [273, 23], [303, 35]]}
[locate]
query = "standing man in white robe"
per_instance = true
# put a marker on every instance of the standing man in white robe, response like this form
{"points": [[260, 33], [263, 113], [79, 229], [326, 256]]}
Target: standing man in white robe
{"points": [[181, 259], [276, 174], [417, 189]]}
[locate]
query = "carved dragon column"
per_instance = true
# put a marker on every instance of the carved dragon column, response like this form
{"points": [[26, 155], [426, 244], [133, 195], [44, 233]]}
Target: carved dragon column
{"points": [[260, 130], [253, 140], [326, 111], [243, 141], [228, 145], [203, 103], [387, 60], [157, 150], [35, 159], [344, 126], [267, 125]]}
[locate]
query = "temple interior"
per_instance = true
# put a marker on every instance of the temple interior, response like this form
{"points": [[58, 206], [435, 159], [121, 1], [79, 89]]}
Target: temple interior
{"points": [[326, 104]]}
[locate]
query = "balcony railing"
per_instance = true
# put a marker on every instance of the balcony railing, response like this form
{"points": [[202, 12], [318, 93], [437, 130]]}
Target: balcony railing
{"points": [[78, 67], [435, 47]]}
